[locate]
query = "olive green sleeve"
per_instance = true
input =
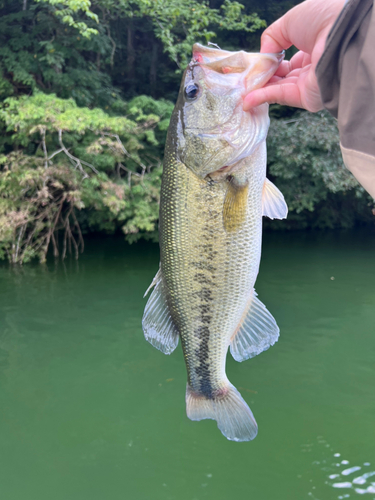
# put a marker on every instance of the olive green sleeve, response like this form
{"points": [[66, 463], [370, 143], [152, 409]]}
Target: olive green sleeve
{"points": [[346, 77]]}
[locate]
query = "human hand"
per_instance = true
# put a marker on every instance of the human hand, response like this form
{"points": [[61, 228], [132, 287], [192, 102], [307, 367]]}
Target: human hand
{"points": [[306, 26]]}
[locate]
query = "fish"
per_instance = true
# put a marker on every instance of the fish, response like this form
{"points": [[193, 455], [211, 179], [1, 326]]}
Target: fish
{"points": [[214, 194]]}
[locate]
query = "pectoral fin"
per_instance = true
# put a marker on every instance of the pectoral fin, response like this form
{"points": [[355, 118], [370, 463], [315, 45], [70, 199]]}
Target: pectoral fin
{"points": [[235, 206], [273, 202], [158, 326], [256, 332]]}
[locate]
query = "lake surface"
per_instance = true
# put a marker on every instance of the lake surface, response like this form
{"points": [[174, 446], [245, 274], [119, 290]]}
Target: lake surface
{"points": [[90, 411]]}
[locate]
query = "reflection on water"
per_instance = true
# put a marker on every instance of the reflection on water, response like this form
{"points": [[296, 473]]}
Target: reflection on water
{"points": [[338, 475], [368, 486]]}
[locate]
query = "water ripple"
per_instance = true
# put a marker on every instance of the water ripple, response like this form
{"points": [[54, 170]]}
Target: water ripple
{"points": [[363, 484], [346, 472]]}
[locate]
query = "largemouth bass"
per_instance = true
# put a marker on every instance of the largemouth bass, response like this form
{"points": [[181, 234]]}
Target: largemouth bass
{"points": [[213, 196]]}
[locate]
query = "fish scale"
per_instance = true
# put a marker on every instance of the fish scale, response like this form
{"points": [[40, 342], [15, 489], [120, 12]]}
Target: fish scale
{"points": [[214, 193], [227, 266]]}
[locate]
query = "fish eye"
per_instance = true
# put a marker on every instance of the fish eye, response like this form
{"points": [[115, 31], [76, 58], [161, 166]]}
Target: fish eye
{"points": [[191, 91]]}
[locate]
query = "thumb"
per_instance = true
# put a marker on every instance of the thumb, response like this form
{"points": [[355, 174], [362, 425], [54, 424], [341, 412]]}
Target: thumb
{"points": [[276, 38], [301, 26]]}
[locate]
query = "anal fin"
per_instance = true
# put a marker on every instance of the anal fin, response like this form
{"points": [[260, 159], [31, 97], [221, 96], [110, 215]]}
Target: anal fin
{"points": [[157, 324], [256, 332]]}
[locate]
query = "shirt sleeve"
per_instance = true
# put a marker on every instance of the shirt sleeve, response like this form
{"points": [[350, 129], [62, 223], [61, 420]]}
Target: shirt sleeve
{"points": [[346, 77]]}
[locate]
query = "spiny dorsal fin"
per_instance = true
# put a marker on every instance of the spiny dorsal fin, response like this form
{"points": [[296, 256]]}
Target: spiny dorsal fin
{"points": [[157, 323], [273, 202], [256, 332], [235, 206]]}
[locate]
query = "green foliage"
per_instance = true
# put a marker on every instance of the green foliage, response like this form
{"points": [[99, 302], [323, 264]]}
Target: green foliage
{"points": [[37, 51], [81, 140], [70, 47], [179, 25], [305, 162], [65, 9], [88, 170], [35, 202], [26, 115]]}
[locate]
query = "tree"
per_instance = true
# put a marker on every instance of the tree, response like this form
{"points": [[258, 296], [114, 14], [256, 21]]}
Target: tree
{"points": [[83, 160], [305, 162], [81, 140]]}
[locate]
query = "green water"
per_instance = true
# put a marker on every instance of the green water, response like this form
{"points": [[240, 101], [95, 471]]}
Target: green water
{"points": [[90, 411]]}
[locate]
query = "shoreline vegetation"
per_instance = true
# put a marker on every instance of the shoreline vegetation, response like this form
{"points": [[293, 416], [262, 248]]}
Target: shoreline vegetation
{"points": [[86, 93]]}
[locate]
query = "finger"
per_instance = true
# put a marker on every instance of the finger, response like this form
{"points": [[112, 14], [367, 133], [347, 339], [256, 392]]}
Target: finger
{"points": [[291, 29], [273, 39], [283, 69], [297, 60], [300, 60], [293, 75], [287, 94], [282, 81], [274, 79], [295, 72], [278, 36]]}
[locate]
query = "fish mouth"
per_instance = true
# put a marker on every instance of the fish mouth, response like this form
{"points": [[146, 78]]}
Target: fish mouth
{"points": [[245, 69]]}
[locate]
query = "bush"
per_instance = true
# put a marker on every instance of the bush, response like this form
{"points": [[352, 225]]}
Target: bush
{"points": [[78, 169], [305, 162]]}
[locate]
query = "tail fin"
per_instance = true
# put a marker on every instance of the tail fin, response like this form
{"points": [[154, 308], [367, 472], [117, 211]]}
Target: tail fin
{"points": [[234, 418]]}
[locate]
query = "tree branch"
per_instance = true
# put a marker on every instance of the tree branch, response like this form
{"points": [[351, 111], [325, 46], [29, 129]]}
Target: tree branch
{"points": [[43, 134], [54, 154], [77, 161], [113, 46]]}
